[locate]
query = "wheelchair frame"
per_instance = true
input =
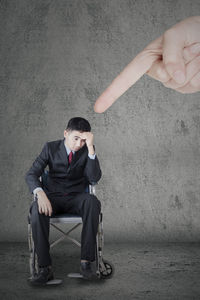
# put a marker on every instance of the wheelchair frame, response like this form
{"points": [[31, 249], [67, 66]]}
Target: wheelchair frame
{"points": [[104, 269]]}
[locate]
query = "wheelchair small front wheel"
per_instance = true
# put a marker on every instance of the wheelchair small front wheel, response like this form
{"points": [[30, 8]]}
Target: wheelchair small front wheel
{"points": [[106, 270]]}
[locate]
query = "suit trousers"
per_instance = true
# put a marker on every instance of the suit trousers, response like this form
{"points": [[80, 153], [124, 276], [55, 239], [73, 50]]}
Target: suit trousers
{"points": [[83, 204]]}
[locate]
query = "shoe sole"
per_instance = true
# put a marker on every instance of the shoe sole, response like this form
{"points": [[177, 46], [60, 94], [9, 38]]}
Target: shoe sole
{"points": [[51, 281]]}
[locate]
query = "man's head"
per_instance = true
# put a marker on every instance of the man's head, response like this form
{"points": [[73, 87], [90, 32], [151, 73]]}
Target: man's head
{"points": [[73, 133]]}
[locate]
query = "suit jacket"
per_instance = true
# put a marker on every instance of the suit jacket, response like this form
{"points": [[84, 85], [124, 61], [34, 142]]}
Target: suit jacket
{"points": [[63, 178]]}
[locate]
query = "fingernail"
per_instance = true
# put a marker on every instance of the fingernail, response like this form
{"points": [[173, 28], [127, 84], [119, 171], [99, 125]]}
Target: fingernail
{"points": [[195, 48], [179, 76]]}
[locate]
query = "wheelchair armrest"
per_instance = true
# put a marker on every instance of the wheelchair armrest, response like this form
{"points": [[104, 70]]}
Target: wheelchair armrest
{"points": [[92, 189], [34, 197]]}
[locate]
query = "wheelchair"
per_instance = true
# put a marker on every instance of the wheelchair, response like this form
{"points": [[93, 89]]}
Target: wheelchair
{"points": [[104, 269]]}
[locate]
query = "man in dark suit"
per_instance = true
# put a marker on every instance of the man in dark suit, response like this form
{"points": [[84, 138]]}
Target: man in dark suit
{"points": [[72, 164]]}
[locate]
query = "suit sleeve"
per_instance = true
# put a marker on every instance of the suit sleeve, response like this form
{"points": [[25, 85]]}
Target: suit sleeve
{"points": [[37, 168], [92, 170]]}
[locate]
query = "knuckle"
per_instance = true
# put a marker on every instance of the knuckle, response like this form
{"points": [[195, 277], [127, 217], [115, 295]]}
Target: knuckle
{"points": [[194, 83], [181, 91], [162, 75], [169, 33], [167, 84]]}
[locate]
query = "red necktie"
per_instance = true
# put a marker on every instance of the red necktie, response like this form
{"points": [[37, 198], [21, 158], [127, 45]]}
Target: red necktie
{"points": [[70, 157]]}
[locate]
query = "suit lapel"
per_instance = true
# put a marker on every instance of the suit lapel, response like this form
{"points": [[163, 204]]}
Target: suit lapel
{"points": [[63, 153], [77, 156]]}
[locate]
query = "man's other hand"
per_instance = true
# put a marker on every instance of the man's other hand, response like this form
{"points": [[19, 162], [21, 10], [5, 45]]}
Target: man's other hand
{"points": [[89, 138], [44, 205]]}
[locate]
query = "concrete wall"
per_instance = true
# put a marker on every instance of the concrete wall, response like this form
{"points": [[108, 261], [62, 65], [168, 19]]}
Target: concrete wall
{"points": [[56, 58]]}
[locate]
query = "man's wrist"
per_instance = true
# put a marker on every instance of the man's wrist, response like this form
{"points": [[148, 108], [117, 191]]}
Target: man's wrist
{"points": [[92, 156], [36, 190], [91, 150], [40, 192]]}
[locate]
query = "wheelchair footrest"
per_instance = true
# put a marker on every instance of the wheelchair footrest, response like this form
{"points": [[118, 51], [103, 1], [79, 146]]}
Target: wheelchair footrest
{"points": [[75, 275], [54, 282]]}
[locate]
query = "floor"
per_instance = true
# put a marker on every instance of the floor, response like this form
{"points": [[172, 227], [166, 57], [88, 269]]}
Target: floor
{"points": [[142, 271]]}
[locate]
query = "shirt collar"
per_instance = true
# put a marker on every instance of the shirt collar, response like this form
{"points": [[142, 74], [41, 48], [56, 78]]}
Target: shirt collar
{"points": [[68, 150]]}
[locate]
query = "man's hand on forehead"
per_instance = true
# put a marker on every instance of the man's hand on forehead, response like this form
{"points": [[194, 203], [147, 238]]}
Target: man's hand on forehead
{"points": [[88, 137]]}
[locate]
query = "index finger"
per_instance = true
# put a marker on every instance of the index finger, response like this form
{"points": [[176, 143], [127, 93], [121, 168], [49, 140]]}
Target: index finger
{"points": [[131, 73]]}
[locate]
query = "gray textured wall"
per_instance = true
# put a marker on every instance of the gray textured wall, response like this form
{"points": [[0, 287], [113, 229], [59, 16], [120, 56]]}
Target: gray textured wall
{"points": [[56, 58]]}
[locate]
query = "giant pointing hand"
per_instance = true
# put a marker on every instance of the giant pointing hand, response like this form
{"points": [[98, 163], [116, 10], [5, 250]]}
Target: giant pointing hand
{"points": [[173, 59]]}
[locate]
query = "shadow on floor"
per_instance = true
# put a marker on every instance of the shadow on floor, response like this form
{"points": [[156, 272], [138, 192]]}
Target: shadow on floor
{"points": [[156, 271]]}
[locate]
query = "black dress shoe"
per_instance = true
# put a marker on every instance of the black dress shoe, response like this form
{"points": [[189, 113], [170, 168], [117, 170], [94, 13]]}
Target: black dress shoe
{"points": [[86, 270], [44, 275]]}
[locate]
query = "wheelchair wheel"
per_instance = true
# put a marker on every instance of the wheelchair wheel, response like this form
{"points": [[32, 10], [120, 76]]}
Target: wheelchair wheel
{"points": [[106, 270]]}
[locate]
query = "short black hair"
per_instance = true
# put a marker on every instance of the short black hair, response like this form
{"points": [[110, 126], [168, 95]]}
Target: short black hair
{"points": [[79, 124]]}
